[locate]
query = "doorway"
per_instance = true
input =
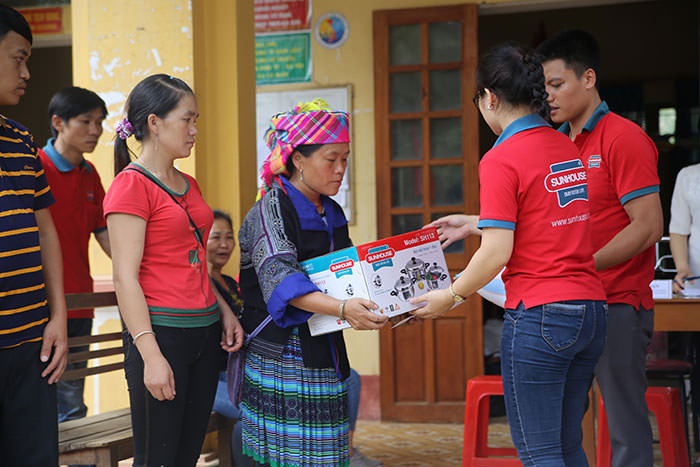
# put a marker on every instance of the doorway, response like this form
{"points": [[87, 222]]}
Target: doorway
{"points": [[51, 69]]}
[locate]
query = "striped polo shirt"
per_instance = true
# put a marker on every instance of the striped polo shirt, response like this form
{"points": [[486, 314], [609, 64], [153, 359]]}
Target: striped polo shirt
{"points": [[24, 309]]}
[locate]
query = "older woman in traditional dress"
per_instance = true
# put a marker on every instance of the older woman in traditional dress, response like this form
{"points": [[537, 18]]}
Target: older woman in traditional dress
{"points": [[294, 402]]}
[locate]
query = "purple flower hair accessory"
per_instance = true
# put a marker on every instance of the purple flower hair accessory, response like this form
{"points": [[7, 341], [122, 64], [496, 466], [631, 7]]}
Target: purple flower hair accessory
{"points": [[124, 128]]}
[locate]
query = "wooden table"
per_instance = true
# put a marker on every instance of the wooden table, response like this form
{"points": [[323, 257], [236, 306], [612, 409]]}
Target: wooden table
{"points": [[674, 314], [677, 314]]}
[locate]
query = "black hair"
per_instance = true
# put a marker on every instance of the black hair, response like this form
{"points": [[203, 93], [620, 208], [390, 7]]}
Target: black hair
{"points": [[73, 101], [578, 49], [12, 20], [515, 75], [305, 150], [222, 215], [157, 94]]}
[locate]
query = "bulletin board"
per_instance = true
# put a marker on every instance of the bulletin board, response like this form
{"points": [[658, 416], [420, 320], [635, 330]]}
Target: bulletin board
{"points": [[269, 103]]}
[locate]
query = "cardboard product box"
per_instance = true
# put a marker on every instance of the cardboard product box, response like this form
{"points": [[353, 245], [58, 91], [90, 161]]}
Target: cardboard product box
{"points": [[339, 275], [389, 272]]}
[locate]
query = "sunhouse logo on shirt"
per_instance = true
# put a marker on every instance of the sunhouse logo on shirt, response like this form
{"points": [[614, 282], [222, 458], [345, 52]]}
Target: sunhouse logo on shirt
{"points": [[568, 181]]}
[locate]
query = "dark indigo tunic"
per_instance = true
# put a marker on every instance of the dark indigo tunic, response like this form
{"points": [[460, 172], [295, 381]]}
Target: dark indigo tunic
{"points": [[281, 230]]}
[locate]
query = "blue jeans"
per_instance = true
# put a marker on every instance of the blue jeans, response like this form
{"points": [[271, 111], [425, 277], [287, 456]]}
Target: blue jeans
{"points": [[354, 384], [224, 406], [548, 354], [69, 394]]}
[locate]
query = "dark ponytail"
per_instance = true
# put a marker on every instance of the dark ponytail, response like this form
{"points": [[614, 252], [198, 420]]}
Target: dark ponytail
{"points": [[156, 94], [515, 75], [122, 155], [535, 76]]}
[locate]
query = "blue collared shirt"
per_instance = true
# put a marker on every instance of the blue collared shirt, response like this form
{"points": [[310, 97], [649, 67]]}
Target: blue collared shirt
{"points": [[309, 218], [61, 162], [521, 124], [600, 112]]}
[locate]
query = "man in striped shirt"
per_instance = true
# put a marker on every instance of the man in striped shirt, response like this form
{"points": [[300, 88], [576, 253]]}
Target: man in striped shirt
{"points": [[33, 341]]}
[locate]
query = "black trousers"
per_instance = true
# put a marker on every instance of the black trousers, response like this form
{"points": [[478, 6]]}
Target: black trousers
{"points": [[171, 433], [28, 423]]}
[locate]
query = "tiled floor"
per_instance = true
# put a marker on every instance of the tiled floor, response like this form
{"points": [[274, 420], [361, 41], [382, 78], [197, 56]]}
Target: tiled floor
{"points": [[430, 444], [411, 444], [420, 444]]}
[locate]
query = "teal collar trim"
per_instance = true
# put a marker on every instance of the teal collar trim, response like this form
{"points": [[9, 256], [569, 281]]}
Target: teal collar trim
{"points": [[61, 162], [521, 124], [601, 111]]}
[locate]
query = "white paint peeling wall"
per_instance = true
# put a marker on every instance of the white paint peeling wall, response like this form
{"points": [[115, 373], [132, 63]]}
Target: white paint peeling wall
{"points": [[128, 41]]}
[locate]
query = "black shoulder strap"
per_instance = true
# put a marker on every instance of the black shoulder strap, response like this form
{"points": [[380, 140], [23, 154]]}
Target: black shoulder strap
{"points": [[197, 233]]}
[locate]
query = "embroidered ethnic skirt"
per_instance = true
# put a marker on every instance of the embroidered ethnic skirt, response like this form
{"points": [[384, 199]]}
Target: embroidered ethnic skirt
{"points": [[292, 415]]}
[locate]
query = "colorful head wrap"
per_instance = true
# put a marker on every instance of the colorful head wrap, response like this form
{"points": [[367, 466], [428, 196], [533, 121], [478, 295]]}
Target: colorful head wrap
{"points": [[309, 123]]}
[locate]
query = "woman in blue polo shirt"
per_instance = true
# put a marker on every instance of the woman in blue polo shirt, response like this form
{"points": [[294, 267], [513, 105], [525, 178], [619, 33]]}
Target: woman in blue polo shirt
{"points": [[534, 217]]}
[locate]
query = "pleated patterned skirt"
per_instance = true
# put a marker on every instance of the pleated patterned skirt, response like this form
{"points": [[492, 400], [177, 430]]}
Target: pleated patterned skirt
{"points": [[292, 415]]}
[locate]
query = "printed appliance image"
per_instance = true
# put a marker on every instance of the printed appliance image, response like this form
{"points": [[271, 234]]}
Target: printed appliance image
{"points": [[421, 274], [407, 265]]}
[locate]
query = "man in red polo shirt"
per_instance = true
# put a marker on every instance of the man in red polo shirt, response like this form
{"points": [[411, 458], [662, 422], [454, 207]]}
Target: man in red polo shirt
{"points": [[75, 117], [627, 221]]}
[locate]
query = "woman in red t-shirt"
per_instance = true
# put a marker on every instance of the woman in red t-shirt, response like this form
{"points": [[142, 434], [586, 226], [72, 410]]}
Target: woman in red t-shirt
{"points": [[534, 215], [177, 324]]}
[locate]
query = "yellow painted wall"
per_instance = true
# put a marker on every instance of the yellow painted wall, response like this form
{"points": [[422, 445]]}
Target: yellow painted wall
{"points": [[115, 45], [224, 74]]}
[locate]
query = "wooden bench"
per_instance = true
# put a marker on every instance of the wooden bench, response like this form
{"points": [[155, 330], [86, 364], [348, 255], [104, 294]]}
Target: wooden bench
{"points": [[106, 438]]}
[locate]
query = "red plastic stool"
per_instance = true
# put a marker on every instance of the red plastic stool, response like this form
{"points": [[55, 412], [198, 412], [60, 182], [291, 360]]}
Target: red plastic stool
{"points": [[665, 404], [476, 451]]}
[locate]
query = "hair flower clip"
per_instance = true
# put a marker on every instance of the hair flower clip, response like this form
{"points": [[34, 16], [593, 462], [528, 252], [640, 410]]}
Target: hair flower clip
{"points": [[124, 128]]}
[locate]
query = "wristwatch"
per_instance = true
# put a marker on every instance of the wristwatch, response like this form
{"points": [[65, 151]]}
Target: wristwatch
{"points": [[456, 298]]}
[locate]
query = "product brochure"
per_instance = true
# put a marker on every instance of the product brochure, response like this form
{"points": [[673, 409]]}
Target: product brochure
{"points": [[389, 272]]}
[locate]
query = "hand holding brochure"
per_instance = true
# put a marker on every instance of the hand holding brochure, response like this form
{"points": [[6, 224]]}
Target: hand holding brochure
{"points": [[389, 272]]}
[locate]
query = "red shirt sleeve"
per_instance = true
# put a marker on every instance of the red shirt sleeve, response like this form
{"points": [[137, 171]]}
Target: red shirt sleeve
{"points": [[498, 192], [632, 162], [128, 194]]}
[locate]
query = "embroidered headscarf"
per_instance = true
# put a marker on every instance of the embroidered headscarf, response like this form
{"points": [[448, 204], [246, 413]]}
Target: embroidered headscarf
{"points": [[309, 123]]}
